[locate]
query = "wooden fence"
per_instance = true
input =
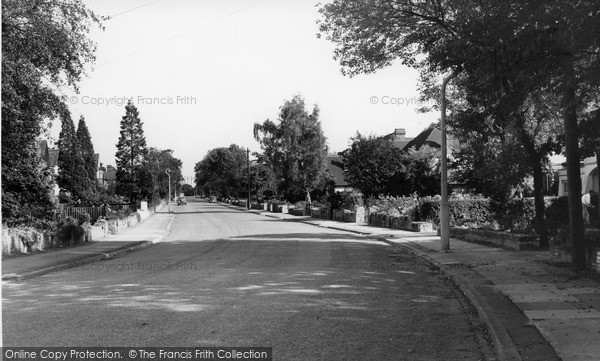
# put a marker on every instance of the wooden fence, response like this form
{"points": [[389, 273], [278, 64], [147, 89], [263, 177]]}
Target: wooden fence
{"points": [[95, 212]]}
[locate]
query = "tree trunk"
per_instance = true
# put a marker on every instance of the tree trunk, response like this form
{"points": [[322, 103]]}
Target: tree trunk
{"points": [[540, 206], [569, 112], [535, 160]]}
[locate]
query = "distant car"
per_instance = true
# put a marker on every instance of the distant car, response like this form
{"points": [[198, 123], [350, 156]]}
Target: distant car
{"points": [[181, 200]]}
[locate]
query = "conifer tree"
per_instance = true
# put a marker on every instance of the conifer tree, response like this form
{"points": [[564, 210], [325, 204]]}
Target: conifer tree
{"points": [[134, 179], [87, 150], [72, 175]]}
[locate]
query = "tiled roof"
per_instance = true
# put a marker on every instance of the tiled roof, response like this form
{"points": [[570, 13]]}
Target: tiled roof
{"points": [[431, 137], [398, 143], [335, 166]]}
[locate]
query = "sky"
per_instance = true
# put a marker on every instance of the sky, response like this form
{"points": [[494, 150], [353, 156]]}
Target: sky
{"points": [[202, 72]]}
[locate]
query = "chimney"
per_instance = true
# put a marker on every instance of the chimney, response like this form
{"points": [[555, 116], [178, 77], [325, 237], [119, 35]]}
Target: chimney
{"points": [[399, 134]]}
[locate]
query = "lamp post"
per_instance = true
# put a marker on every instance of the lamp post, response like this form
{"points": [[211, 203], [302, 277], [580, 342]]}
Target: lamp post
{"points": [[444, 208], [248, 166], [168, 171]]}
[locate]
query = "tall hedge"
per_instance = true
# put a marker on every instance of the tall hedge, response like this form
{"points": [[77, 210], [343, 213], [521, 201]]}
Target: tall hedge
{"points": [[463, 212]]}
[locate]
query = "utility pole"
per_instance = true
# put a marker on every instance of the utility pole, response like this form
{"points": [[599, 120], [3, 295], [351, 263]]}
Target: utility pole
{"points": [[168, 171], [444, 208], [248, 166]]}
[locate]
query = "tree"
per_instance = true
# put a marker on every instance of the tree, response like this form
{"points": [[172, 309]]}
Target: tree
{"points": [[222, 171], [518, 119], [419, 173], [44, 46], [72, 172], [87, 151], [373, 165], [294, 148], [494, 40], [134, 179], [370, 163], [187, 189], [158, 162]]}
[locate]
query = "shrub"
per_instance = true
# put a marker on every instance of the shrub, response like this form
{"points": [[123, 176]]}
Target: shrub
{"points": [[516, 214], [471, 212], [71, 234], [22, 240], [300, 205], [394, 206], [557, 213]]}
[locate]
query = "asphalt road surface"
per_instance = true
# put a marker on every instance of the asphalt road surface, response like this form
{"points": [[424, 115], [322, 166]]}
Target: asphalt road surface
{"points": [[230, 278]]}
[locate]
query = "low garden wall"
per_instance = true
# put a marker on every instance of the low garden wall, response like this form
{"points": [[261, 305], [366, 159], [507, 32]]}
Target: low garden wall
{"points": [[298, 211], [507, 240]]}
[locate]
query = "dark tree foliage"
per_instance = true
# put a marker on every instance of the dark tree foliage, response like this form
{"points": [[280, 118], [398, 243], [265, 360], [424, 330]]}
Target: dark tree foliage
{"points": [[187, 189], [159, 161], [294, 148], [72, 173], [222, 171], [370, 163], [134, 179], [419, 173], [373, 165], [41, 42], [87, 150]]}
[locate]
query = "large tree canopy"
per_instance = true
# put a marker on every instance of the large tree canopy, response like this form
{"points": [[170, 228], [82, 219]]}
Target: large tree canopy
{"points": [[222, 170], [376, 167], [294, 148], [159, 161], [486, 41], [45, 45]]}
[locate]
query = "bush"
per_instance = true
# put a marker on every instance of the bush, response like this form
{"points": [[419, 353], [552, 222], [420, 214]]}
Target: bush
{"points": [[300, 205], [346, 200], [22, 240], [71, 234], [557, 213], [394, 206], [471, 212], [516, 214]]}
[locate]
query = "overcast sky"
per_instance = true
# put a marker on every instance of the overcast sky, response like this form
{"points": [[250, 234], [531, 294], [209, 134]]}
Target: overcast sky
{"points": [[202, 72]]}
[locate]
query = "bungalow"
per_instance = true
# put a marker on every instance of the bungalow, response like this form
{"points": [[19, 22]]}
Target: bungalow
{"points": [[589, 177], [335, 169]]}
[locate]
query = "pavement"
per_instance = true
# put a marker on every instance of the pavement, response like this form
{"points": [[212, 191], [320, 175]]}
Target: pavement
{"points": [[534, 309], [151, 230]]}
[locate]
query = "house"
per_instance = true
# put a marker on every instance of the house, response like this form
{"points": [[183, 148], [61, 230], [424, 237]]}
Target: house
{"points": [[335, 169], [432, 138], [398, 138], [589, 177], [109, 176]]}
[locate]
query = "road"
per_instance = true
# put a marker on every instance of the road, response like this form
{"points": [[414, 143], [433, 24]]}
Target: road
{"points": [[230, 278]]}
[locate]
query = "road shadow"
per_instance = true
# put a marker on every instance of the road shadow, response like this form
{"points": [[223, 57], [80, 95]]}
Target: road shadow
{"points": [[296, 236]]}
